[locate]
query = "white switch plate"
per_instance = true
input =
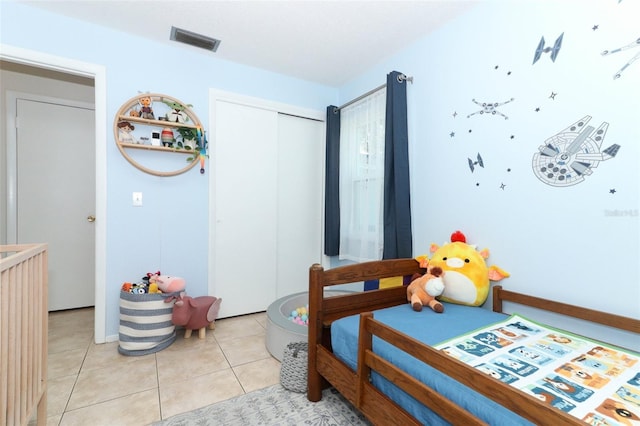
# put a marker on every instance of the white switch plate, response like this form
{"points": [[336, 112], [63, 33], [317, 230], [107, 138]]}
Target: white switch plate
{"points": [[137, 199]]}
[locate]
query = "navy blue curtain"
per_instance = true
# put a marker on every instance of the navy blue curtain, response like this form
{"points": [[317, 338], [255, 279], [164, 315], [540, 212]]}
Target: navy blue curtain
{"points": [[397, 203], [332, 184]]}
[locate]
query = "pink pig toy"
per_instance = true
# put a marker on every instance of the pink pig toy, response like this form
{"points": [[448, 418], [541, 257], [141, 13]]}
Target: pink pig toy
{"points": [[168, 284], [195, 313]]}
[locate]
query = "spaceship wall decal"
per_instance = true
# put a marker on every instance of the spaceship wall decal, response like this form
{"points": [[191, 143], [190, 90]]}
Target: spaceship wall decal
{"points": [[490, 108], [473, 164], [620, 49], [570, 155], [554, 50]]}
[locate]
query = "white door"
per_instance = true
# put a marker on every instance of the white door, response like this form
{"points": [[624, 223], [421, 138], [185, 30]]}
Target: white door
{"points": [[55, 151], [245, 210], [267, 205], [300, 201]]}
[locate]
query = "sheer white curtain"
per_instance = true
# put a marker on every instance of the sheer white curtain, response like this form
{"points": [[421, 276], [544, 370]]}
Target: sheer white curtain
{"points": [[362, 127]]}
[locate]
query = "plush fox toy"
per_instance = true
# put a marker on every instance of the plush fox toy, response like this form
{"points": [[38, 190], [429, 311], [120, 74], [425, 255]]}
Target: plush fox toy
{"points": [[424, 290]]}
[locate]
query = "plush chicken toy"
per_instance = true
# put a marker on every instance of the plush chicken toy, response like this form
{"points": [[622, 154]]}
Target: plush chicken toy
{"points": [[424, 290], [467, 274]]}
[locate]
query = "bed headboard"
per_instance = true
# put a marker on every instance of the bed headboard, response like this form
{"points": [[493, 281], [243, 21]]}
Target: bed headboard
{"points": [[333, 308]]}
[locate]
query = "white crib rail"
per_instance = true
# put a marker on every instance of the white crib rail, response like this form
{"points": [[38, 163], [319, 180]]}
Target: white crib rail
{"points": [[23, 333]]}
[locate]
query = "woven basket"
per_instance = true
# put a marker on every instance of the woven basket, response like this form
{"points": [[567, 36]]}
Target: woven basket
{"points": [[145, 323], [293, 371]]}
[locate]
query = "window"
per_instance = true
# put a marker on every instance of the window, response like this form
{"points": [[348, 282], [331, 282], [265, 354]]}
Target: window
{"points": [[362, 143]]}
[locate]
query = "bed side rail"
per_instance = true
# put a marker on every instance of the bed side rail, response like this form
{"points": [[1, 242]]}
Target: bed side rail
{"points": [[501, 295], [525, 405]]}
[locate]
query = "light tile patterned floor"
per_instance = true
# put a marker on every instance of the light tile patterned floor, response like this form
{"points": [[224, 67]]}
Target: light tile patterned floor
{"points": [[93, 385]]}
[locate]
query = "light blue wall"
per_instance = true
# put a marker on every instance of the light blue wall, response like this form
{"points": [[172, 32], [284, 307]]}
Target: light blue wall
{"points": [[170, 232], [578, 244]]}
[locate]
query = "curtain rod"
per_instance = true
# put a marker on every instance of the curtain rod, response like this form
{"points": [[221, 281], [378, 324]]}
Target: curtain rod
{"points": [[401, 78]]}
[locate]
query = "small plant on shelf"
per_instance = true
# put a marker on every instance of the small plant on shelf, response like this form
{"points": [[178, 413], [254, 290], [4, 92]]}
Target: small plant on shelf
{"points": [[189, 138]]}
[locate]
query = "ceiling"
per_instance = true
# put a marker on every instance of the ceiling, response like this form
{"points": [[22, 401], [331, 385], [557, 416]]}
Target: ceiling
{"points": [[328, 42]]}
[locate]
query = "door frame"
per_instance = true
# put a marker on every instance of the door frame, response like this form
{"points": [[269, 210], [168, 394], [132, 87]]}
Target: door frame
{"points": [[98, 74]]}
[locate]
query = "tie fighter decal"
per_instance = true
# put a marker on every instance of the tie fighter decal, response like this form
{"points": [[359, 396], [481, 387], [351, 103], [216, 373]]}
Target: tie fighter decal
{"points": [[554, 50], [472, 163]]}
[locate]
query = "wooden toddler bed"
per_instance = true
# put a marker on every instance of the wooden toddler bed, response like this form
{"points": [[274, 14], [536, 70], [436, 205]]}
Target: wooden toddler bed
{"points": [[472, 397]]}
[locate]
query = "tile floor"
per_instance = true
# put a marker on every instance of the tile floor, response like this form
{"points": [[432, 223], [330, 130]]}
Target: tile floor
{"points": [[92, 385]]}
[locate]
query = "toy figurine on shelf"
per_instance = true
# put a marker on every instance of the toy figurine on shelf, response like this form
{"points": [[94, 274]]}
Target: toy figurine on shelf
{"points": [[167, 137], [124, 132], [145, 108], [177, 113]]}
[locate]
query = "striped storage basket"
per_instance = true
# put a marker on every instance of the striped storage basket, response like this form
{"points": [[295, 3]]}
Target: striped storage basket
{"points": [[145, 323]]}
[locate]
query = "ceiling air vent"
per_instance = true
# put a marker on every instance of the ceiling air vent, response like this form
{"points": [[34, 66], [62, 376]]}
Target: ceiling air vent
{"points": [[197, 40]]}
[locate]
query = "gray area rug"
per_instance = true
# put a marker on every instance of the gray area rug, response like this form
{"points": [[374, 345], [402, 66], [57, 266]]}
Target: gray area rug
{"points": [[273, 406]]}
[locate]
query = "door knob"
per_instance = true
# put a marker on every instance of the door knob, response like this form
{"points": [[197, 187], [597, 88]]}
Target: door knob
{"points": [[91, 218]]}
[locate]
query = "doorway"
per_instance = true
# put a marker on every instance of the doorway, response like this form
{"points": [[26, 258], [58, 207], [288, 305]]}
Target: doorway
{"points": [[98, 74], [55, 191]]}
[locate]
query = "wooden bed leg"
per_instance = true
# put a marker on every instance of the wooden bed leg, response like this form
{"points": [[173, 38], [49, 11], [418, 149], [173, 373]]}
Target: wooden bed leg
{"points": [[42, 409], [315, 330], [365, 344], [314, 387], [497, 299]]}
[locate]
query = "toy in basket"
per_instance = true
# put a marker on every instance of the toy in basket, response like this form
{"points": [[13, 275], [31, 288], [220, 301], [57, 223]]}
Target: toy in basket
{"points": [[154, 282]]}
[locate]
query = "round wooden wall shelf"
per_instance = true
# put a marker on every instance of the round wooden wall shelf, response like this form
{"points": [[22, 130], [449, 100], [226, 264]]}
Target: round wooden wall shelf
{"points": [[150, 121]]}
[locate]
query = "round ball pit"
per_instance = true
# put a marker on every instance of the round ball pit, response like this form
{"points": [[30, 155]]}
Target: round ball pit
{"points": [[280, 329]]}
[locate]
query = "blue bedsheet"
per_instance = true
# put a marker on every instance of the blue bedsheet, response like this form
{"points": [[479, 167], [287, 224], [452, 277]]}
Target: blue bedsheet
{"points": [[430, 328]]}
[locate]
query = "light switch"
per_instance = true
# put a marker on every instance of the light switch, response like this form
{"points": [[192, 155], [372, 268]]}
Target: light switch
{"points": [[137, 199]]}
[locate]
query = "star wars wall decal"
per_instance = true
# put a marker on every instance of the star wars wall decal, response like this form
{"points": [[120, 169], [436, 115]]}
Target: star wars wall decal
{"points": [[570, 155], [542, 49], [490, 108], [478, 162], [566, 157], [620, 49], [498, 66]]}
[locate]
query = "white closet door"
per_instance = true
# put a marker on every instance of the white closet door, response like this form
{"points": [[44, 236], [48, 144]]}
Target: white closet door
{"points": [[267, 204], [300, 201], [245, 210]]}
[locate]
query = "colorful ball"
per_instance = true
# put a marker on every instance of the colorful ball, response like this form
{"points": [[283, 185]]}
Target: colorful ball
{"points": [[300, 315]]}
